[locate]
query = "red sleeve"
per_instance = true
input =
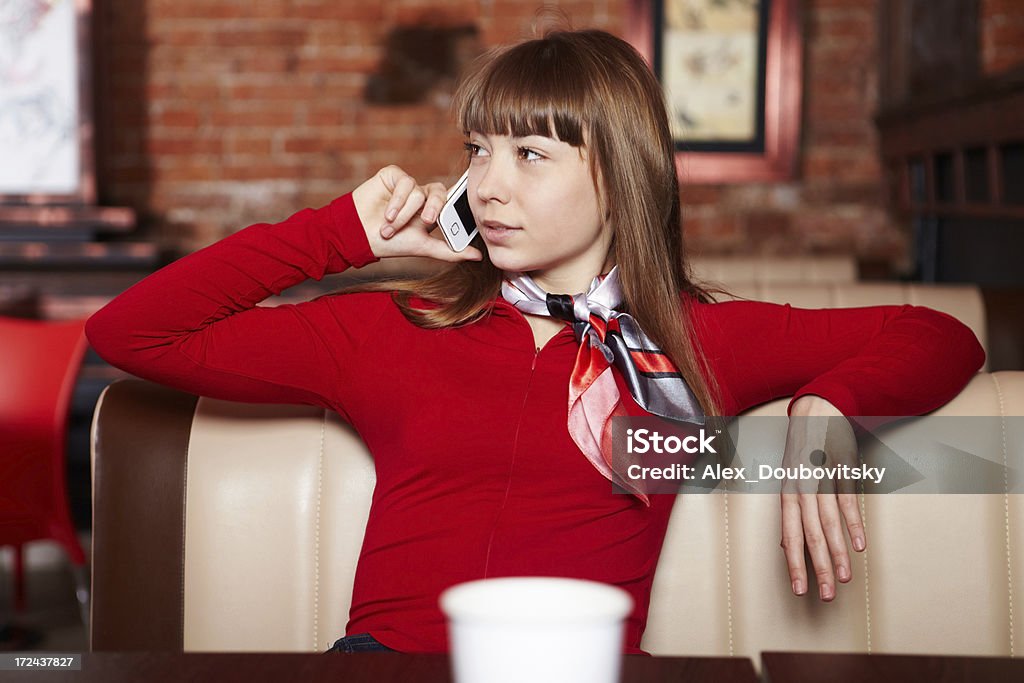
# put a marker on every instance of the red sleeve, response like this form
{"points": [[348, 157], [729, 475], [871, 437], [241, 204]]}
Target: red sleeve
{"points": [[194, 325], [878, 360]]}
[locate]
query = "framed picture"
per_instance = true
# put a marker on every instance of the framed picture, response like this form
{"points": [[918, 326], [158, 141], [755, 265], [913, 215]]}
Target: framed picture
{"points": [[731, 71], [46, 129]]}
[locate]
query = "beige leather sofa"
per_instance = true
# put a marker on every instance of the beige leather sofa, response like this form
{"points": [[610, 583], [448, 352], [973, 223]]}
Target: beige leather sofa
{"points": [[963, 302], [223, 526], [808, 270]]}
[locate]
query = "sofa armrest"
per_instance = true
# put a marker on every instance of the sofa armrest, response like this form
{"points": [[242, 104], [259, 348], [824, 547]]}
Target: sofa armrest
{"points": [[138, 516], [942, 572]]}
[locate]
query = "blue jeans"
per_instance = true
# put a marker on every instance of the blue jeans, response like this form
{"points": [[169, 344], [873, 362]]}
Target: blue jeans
{"points": [[358, 642]]}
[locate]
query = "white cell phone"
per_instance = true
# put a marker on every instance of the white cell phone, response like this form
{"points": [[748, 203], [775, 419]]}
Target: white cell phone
{"points": [[456, 220]]}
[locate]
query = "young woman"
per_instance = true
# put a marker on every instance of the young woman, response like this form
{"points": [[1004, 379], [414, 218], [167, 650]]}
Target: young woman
{"points": [[484, 396]]}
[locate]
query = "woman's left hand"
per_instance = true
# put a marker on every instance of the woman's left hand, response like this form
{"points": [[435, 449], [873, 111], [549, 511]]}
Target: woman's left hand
{"points": [[814, 513]]}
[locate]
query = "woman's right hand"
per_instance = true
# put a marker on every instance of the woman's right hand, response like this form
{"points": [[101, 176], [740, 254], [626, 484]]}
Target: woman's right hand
{"points": [[398, 214]]}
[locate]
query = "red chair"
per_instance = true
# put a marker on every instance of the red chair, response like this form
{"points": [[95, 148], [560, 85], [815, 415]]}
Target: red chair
{"points": [[39, 362]]}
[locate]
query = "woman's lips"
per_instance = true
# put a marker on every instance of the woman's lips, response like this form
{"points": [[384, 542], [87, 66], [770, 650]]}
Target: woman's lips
{"points": [[497, 233]]}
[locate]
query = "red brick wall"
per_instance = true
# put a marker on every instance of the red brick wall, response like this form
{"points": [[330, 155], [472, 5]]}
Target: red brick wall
{"points": [[218, 113], [837, 204], [1002, 35]]}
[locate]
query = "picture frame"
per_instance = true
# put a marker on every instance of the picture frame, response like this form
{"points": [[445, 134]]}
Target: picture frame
{"points": [[46, 131], [732, 74]]}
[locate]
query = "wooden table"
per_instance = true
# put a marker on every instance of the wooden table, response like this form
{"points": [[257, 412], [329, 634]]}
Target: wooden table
{"points": [[808, 667], [370, 667]]}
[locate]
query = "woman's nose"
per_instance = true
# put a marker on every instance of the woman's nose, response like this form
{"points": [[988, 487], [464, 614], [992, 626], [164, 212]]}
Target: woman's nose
{"points": [[493, 185]]}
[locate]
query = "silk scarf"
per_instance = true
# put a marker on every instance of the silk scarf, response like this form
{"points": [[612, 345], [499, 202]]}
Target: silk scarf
{"points": [[610, 341]]}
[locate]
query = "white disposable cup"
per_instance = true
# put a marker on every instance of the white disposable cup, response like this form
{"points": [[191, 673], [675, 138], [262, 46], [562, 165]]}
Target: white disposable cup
{"points": [[536, 630]]}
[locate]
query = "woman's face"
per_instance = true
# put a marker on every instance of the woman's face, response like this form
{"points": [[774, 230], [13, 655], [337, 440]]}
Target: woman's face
{"points": [[538, 210]]}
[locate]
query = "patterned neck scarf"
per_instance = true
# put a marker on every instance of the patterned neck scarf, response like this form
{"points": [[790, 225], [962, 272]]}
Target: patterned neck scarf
{"points": [[608, 339]]}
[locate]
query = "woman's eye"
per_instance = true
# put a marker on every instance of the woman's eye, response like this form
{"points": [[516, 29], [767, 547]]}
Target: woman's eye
{"points": [[472, 149], [527, 154]]}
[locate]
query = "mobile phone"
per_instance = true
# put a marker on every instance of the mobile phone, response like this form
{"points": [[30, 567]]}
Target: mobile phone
{"points": [[456, 220]]}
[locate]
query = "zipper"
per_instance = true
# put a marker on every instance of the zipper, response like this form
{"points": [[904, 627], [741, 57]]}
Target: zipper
{"points": [[522, 316], [511, 466]]}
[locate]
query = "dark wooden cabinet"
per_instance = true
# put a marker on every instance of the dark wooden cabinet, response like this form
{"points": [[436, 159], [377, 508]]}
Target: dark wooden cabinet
{"points": [[952, 143]]}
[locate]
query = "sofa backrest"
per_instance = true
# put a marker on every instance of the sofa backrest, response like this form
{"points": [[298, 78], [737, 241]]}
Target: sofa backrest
{"points": [[225, 526], [963, 302], [730, 271]]}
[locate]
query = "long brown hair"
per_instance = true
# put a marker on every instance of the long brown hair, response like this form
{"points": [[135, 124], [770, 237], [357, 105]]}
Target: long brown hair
{"points": [[586, 88]]}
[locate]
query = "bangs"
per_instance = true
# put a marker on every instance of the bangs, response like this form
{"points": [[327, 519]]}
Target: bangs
{"points": [[530, 89]]}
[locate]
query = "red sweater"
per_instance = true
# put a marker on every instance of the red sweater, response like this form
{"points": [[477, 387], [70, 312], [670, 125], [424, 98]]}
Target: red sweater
{"points": [[477, 475]]}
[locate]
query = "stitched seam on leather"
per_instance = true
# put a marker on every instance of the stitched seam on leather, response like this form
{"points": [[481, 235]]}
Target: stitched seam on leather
{"points": [[316, 536], [728, 574], [93, 442], [184, 517], [1006, 506], [867, 583]]}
